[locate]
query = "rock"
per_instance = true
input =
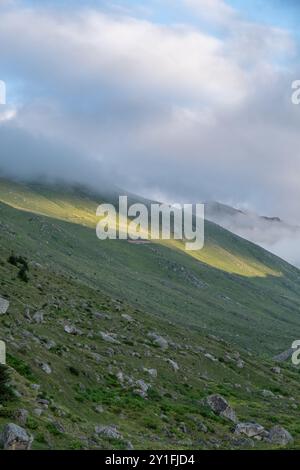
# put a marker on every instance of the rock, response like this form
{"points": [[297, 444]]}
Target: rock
{"points": [[267, 394], [280, 436], [173, 364], [102, 316], [151, 372], [97, 357], [4, 305], [38, 317], [27, 314], [50, 344], [59, 427], [72, 330], [21, 416], [276, 370], [142, 389], [45, 403], [284, 356], [46, 368], [127, 317], [201, 427], [99, 409], [211, 357], [158, 340], [14, 437], [219, 405], [182, 427], [240, 364], [108, 338], [111, 432], [242, 442], [35, 387], [120, 377], [249, 429], [38, 412], [142, 385]]}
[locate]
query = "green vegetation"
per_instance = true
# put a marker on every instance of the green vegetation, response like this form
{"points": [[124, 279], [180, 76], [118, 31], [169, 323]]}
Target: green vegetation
{"points": [[232, 301]]}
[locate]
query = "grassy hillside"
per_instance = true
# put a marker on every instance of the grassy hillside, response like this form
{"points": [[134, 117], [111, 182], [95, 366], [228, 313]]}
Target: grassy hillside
{"points": [[228, 303], [231, 286]]}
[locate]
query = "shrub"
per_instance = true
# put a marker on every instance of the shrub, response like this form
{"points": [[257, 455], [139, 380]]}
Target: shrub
{"points": [[6, 393], [22, 274]]}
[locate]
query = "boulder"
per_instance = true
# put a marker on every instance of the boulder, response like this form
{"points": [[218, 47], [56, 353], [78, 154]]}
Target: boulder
{"points": [[108, 338], [4, 304], [111, 432], [267, 394], [173, 364], [46, 368], [280, 436], [151, 372], [72, 330], [249, 429], [14, 437], [38, 317], [158, 340], [211, 357], [219, 405], [127, 317]]}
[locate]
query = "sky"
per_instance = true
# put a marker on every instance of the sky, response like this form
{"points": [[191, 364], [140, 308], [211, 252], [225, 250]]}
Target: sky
{"points": [[178, 100]]}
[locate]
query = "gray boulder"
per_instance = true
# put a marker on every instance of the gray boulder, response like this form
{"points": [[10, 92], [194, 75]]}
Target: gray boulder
{"points": [[46, 368], [111, 432], [72, 330], [38, 317], [173, 364], [280, 436], [158, 340], [220, 406], [4, 304], [14, 437], [249, 429], [151, 372], [142, 388], [108, 338]]}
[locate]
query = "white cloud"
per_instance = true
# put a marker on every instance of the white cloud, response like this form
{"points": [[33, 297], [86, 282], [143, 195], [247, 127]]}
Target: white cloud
{"points": [[166, 108]]}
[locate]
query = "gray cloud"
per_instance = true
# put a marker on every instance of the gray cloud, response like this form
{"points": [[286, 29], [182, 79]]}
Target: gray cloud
{"points": [[162, 109]]}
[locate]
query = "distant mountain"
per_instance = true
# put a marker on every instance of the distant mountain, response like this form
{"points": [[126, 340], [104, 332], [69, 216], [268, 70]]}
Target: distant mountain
{"points": [[271, 233]]}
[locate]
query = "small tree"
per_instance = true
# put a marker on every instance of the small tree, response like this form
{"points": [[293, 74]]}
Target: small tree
{"points": [[22, 264], [22, 274]]}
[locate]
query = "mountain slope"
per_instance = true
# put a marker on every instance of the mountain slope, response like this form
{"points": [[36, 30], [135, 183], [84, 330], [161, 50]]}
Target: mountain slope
{"points": [[80, 338], [231, 286]]}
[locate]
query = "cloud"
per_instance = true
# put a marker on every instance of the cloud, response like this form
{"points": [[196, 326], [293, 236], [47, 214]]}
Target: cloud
{"points": [[216, 11], [164, 108]]}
